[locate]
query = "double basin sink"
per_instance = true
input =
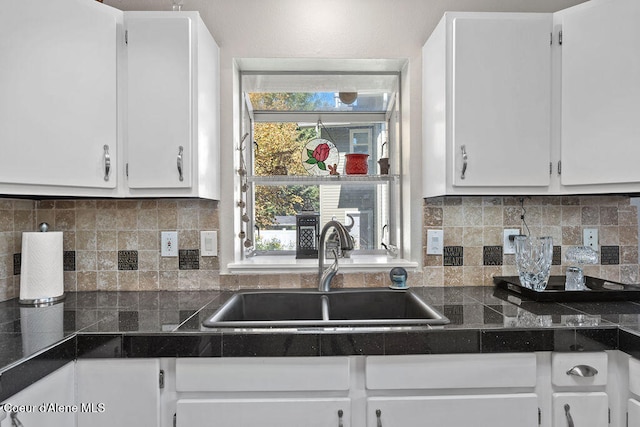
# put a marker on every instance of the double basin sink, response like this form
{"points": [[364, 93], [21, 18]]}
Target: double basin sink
{"points": [[370, 307]]}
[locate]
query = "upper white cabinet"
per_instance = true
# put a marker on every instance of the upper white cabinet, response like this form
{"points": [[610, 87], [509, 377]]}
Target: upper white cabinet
{"points": [[600, 138], [533, 103], [171, 138], [58, 109], [97, 102], [487, 103]]}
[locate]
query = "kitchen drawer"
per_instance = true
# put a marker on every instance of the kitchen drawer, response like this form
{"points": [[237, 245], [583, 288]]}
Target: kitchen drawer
{"points": [[262, 374], [451, 371], [562, 364], [634, 376]]}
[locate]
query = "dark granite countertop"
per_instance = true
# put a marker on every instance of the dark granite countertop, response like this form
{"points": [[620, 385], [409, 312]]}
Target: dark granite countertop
{"points": [[36, 341]]}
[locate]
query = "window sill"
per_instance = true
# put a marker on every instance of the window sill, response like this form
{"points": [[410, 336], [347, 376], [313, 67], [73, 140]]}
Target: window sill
{"points": [[289, 264]]}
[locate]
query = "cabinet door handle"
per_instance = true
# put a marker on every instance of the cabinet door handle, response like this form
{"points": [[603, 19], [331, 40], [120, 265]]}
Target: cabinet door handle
{"points": [[583, 371], [379, 419], [567, 413], [340, 414], [463, 148], [15, 422], [107, 162], [180, 151]]}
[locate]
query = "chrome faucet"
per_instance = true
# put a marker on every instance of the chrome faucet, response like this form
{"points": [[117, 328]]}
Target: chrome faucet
{"points": [[346, 244]]}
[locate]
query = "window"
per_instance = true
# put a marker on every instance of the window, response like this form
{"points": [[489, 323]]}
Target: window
{"points": [[286, 117]]}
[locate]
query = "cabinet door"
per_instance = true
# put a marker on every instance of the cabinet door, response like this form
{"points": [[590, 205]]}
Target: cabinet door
{"points": [[295, 412], [58, 85], [580, 409], [159, 90], [633, 412], [48, 402], [504, 410], [501, 93], [600, 90], [118, 392]]}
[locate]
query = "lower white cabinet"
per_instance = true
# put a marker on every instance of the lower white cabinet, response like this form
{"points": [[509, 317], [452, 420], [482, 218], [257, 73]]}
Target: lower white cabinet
{"points": [[580, 409], [633, 413], [49, 402], [120, 392], [495, 410], [273, 412]]}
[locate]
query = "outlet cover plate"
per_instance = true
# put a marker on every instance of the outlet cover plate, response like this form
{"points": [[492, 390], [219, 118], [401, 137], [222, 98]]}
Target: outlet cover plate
{"points": [[590, 238], [169, 243], [509, 245], [435, 242]]}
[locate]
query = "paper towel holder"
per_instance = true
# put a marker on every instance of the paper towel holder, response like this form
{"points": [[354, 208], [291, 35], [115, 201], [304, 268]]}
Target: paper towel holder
{"points": [[41, 301]]}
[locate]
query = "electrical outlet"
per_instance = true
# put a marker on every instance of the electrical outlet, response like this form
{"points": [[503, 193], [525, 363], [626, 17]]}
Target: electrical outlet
{"points": [[508, 243], [590, 238], [435, 242], [169, 243]]}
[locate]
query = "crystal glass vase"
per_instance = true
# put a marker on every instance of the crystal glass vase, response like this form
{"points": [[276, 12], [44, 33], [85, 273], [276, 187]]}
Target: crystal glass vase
{"points": [[533, 260]]}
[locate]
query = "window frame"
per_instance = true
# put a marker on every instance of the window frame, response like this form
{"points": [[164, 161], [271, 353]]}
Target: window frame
{"points": [[392, 230]]}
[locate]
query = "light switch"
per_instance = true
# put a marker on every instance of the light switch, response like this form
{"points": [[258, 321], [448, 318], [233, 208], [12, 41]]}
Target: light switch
{"points": [[434, 242], [208, 243]]}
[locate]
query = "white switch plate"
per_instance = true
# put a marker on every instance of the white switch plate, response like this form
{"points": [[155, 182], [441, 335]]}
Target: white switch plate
{"points": [[208, 243], [435, 242], [509, 245], [590, 238], [169, 243]]}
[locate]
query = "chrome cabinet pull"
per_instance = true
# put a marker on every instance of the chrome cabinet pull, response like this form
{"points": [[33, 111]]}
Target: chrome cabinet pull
{"points": [[378, 416], [583, 371], [567, 413], [463, 148], [340, 414], [15, 422], [107, 162], [180, 151]]}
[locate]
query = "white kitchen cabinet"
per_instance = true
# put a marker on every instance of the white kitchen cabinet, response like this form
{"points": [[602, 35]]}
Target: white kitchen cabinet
{"points": [[600, 130], [495, 410], [268, 412], [271, 392], [121, 392], [48, 402], [172, 131], [487, 104], [633, 413], [58, 109], [452, 390], [579, 382], [589, 409]]}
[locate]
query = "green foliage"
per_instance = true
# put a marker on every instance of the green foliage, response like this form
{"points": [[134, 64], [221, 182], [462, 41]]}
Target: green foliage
{"points": [[273, 244], [278, 151]]}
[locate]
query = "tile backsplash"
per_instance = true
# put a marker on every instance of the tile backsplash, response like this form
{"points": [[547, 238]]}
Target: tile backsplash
{"points": [[473, 235], [114, 244]]}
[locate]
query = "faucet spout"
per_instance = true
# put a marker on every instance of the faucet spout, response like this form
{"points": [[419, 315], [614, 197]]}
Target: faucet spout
{"points": [[346, 244]]}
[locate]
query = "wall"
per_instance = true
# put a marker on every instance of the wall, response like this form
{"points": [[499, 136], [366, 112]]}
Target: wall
{"points": [[95, 231], [474, 223]]}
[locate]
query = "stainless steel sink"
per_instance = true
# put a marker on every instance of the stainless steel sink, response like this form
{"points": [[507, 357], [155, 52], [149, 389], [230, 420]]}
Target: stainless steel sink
{"points": [[370, 307]]}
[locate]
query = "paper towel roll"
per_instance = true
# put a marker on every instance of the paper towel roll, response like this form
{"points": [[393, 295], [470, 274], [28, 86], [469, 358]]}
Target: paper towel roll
{"points": [[41, 271]]}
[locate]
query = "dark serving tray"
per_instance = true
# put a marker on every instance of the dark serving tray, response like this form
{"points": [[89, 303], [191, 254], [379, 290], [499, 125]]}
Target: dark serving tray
{"points": [[597, 290]]}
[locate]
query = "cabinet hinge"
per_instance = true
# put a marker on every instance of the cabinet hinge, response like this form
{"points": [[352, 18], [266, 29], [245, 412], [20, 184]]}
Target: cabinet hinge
{"points": [[175, 420], [559, 167], [161, 378], [560, 37], [551, 38], [550, 168], [126, 37], [609, 415], [539, 417], [126, 170]]}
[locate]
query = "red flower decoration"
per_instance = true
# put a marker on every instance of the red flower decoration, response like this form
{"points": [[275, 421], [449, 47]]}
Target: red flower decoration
{"points": [[319, 155]]}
